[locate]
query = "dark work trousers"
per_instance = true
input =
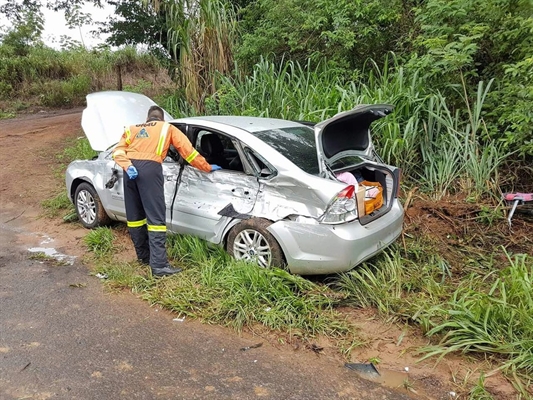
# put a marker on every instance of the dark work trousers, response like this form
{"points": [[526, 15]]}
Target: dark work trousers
{"points": [[144, 197]]}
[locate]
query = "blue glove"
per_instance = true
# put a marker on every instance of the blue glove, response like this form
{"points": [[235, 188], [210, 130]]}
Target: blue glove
{"points": [[132, 172], [215, 167]]}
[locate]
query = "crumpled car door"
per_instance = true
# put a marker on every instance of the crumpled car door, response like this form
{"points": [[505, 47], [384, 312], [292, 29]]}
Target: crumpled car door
{"points": [[203, 200]]}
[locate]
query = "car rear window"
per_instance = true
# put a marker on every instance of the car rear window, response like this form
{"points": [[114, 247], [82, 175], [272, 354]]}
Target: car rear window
{"points": [[348, 161], [295, 143]]}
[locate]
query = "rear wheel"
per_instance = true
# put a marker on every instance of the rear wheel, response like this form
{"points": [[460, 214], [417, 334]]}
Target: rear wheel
{"points": [[251, 241], [89, 207]]}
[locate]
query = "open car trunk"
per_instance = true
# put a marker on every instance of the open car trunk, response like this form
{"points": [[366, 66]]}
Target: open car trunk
{"points": [[344, 147], [348, 134], [377, 186]]}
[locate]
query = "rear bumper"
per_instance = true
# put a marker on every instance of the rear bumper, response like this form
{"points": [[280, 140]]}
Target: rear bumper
{"points": [[313, 249]]}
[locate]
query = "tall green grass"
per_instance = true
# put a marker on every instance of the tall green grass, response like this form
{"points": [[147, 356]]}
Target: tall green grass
{"points": [[396, 286], [486, 310], [216, 288], [440, 149], [488, 315], [100, 241]]}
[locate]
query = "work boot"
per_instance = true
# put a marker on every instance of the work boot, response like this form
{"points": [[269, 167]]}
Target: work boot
{"points": [[144, 261], [165, 271]]}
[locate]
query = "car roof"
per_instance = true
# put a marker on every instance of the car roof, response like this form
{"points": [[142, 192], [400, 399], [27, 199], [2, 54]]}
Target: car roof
{"points": [[244, 129], [249, 124]]}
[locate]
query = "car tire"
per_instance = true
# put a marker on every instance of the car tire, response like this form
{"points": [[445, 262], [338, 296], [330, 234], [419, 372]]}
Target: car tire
{"points": [[251, 241], [89, 207]]}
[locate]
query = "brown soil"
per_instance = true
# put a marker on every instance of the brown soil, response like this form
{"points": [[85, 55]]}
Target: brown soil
{"points": [[30, 174]]}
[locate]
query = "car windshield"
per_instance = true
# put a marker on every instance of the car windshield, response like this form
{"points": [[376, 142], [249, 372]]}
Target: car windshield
{"points": [[296, 143]]}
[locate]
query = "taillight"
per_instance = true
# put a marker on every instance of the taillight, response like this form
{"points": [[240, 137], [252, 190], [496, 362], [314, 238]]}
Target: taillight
{"points": [[398, 176], [342, 208]]}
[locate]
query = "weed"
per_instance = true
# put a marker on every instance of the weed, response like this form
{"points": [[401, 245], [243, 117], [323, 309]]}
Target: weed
{"points": [[349, 344], [6, 114], [80, 149], [70, 92], [440, 149], [407, 385], [395, 285], [59, 202], [62, 78], [43, 257], [141, 86], [100, 241], [478, 392], [125, 275], [71, 216], [486, 315], [374, 360], [40, 256], [488, 215]]}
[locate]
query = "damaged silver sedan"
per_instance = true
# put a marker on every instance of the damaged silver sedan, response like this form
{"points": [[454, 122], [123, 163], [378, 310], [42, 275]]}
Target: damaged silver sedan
{"points": [[314, 198]]}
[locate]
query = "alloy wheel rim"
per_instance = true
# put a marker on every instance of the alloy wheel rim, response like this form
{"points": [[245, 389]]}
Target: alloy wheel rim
{"points": [[251, 245], [86, 206]]}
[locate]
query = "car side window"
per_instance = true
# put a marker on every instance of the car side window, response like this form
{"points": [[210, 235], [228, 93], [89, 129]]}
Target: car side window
{"points": [[218, 149], [262, 168]]}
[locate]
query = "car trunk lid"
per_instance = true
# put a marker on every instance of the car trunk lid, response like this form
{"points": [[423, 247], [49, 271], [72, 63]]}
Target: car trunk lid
{"points": [[348, 134], [107, 113]]}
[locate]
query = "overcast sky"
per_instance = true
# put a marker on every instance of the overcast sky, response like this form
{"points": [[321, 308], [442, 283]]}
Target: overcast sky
{"points": [[55, 26]]}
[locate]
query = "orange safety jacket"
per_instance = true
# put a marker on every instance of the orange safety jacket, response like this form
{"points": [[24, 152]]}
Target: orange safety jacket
{"points": [[151, 140]]}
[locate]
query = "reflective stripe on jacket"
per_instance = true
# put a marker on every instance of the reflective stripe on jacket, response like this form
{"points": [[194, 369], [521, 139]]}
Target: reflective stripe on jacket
{"points": [[151, 140]]}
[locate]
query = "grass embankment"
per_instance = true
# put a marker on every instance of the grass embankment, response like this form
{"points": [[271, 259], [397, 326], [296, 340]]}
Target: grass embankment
{"points": [[466, 297], [41, 77], [486, 314], [448, 276], [215, 288]]}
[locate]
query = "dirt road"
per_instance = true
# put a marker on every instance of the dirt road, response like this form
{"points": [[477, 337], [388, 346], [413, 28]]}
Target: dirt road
{"points": [[63, 337]]}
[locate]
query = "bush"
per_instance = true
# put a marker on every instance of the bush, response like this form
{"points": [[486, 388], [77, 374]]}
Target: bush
{"points": [[64, 78], [66, 93]]}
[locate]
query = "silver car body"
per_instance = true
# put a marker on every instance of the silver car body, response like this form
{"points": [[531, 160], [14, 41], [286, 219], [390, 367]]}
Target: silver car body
{"points": [[269, 186]]}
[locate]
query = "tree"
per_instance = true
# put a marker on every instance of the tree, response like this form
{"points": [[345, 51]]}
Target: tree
{"points": [[29, 12], [26, 32], [345, 32], [15, 9], [75, 18], [460, 39], [135, 23], [201, 37]]}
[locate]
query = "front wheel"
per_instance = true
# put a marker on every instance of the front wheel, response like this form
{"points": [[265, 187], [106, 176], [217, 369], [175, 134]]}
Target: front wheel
{"points": [[89, 207], [251, 241]]}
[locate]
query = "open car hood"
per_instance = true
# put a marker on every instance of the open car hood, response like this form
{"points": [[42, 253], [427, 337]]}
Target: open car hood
{"points": [[348, 133], [107, 114]]}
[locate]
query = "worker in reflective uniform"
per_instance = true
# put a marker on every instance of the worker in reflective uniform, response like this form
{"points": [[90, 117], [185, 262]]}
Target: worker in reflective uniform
{"points": [[140, 152]]}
